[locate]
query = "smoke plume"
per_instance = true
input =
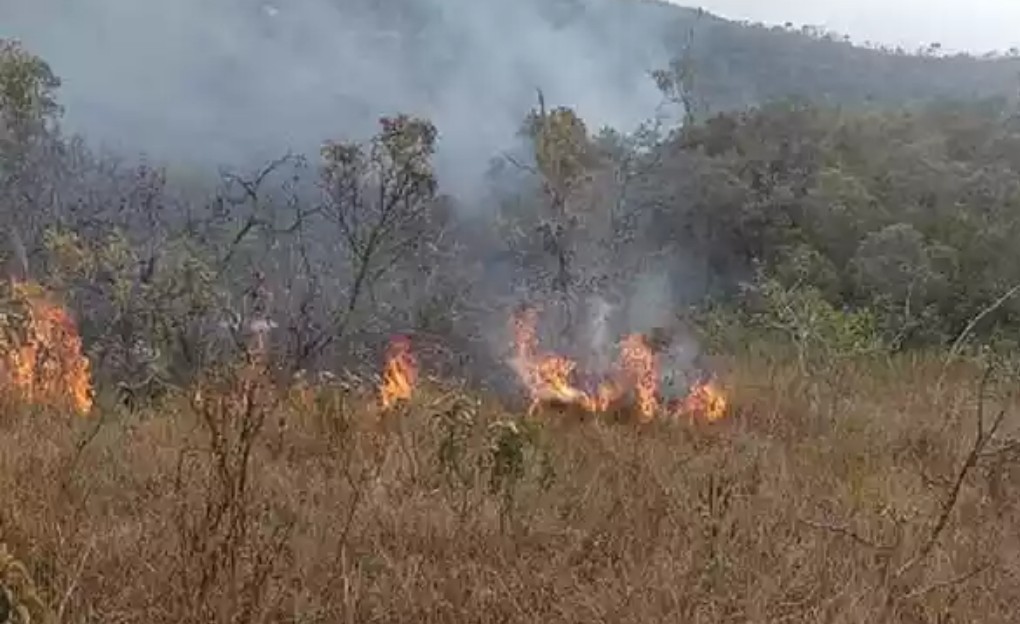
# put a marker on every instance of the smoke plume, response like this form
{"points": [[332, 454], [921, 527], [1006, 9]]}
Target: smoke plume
{"points": [[240, 81]]}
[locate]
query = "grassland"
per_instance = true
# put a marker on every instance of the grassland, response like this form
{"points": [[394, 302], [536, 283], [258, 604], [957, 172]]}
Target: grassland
{"points": [[861, 494]]}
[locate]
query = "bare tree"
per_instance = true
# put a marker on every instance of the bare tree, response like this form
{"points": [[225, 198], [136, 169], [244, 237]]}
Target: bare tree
{"points": [[377, 197]]}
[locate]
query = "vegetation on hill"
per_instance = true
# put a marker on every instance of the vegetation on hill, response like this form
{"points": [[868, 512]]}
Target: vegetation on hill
{"points": [[769, 356], [749, 64], [739, 64]]}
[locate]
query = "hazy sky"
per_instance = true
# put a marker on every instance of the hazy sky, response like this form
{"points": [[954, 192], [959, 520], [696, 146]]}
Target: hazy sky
{"points": [[972, 25]]}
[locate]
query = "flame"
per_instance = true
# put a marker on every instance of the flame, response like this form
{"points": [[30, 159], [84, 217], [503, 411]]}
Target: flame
{"points": [[607, 393], [548, 378], [641, 368], [705, 400], [399, 374], [48, 367]]}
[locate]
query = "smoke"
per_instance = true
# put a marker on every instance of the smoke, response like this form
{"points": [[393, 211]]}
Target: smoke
{"points": [[240, 81], [601, 340]]}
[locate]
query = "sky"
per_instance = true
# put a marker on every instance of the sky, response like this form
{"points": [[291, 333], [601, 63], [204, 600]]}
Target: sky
{"points": [[974, 26]]}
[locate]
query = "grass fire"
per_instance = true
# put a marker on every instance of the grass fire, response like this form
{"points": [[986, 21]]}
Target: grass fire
{"points": [[632, 384], [41, 357], [727, 366], [400, 373]]}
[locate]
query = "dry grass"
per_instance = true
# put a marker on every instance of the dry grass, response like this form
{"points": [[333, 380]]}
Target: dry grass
{"points": [[816, 500]]}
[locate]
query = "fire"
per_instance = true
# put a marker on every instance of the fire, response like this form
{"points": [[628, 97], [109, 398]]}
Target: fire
{"points": [[548, 378], [45, 365], [639, 364], [706, 401], [400, 373]]}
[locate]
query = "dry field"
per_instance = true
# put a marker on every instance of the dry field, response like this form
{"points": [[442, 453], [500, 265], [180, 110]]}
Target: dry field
{"points": [[857, 495]]}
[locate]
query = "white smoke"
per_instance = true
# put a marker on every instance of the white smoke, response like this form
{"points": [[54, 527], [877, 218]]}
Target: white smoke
{"points": [[601, 340], [237, 81]]}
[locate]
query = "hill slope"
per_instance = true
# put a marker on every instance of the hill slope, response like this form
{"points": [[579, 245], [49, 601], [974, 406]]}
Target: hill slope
{"points": [[247, 80]]}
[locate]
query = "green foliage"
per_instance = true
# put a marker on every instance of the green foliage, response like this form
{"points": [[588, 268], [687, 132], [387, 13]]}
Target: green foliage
{"points": [[900, 275], [27, 93], [19, 599], [456, 426], [562, 149], [479, 458], [515, 454], [151, 315], [401, 151], [510, 440], [905, 213], [820, 333]]}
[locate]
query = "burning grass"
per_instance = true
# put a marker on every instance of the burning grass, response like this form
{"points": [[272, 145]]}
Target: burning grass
{"points": [[400, 373], [41, 358], [814, 500], [632, 385]]}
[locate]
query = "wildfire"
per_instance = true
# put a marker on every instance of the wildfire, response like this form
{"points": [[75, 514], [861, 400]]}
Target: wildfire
{"points": [[400, 373], [549, 378], [705, 401], [639, 364], [45, 365]]}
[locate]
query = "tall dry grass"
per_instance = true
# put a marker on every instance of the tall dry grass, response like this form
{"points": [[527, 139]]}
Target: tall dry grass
{"points": [[836, 499]]}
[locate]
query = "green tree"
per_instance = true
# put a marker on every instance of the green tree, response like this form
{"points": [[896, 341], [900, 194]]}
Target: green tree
{"points": [[29, 142], [378, 197], [28, 104]]}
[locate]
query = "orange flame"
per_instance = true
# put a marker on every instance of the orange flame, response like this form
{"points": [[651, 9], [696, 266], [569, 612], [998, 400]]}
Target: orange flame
{"points": [[548, 377], [48, 367], [399, 374], [706, 401], [641, 368]]}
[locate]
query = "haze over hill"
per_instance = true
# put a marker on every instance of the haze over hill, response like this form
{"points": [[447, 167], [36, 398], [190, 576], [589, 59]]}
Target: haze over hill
{"points": [[977, 27], [245, 81]]}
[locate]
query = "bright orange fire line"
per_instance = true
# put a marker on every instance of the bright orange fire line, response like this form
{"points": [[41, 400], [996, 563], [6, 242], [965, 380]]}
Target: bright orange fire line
{"points": [[547, 377]]}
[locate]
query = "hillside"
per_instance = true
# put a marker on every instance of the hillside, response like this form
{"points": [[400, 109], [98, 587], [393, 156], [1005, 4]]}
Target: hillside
{"points": [[250, 80], [746, 64], [739, 64], [758, 367]]}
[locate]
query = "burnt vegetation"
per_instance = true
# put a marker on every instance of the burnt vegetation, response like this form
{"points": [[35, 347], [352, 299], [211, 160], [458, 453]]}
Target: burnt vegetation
{"points": [[844, 270]]}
